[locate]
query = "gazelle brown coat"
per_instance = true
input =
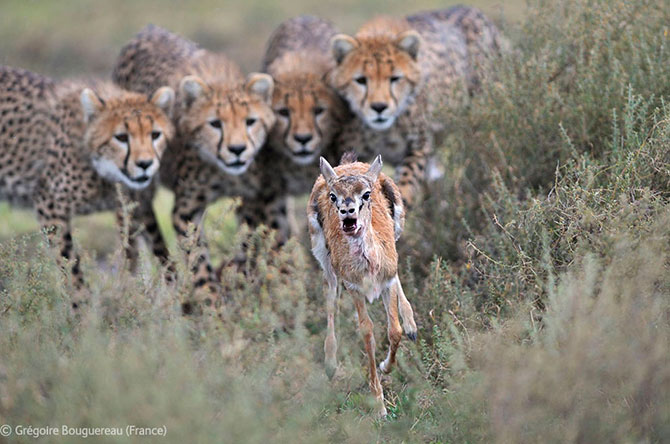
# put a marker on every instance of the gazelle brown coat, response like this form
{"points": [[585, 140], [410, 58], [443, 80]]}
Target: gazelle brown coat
{"points": [[355, 217]]}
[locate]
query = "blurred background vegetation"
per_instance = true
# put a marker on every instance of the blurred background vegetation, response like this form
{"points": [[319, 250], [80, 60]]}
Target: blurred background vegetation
{"points": [[538, 267], [74, 36]]}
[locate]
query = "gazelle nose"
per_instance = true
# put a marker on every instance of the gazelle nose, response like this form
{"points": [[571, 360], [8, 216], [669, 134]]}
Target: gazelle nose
{"points": [[303, 138], [236, 149], [345, 210], [378, 106], [144, 164]]}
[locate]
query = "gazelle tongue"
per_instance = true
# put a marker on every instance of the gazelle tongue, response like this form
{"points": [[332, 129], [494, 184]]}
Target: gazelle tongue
{"points": [[349, 224]]}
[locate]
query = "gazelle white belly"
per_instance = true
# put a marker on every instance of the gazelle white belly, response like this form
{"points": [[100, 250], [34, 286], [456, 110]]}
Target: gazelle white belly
{"points": [[370, 286]]}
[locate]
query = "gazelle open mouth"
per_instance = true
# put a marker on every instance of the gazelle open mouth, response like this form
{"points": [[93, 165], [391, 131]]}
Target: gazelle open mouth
{"points": [[349, 225]]}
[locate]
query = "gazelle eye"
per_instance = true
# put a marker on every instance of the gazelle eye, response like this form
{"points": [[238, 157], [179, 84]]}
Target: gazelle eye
{"points": [[216, 123], [250, 121], [366, 195], [318, 110], [361, 80], [395, 79], [284, 112], [155, 135], [333, 197], [123, 138]]}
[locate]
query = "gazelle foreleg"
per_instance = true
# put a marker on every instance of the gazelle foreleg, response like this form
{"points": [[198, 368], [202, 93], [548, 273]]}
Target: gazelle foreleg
{"points": [[406, 312], [366, 329], [330, 345], [390, 298]]}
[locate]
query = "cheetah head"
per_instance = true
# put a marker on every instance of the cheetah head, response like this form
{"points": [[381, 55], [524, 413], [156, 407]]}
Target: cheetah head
{"points": [[127, 133], [308, 111], [228, 126], [378, 76]]}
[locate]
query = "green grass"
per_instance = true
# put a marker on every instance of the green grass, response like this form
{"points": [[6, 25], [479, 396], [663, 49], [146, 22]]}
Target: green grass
{"points": [[537, 268]]}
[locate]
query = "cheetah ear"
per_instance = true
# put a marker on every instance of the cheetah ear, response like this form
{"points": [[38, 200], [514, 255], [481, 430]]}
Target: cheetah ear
{"points": [[327, 171], [409, 41], [91, 104], [164, 99], [192, 87], [341, 45], [373, 172], [261, 85]]}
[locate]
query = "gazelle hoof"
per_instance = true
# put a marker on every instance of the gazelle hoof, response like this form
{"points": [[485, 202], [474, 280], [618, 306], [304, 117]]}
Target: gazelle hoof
{"points": [[411, 335], [331, 367], [383, 368], [381, 412]]}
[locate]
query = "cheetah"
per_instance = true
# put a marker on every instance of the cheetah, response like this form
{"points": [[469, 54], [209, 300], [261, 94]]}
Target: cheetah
{"points": [[308, 111], [64, 147], [222, 121], [309, 114], [395, 74]]}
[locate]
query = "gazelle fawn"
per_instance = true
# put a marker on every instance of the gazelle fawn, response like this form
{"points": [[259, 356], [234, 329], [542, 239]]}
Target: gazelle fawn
{"points": [[355, 218]]}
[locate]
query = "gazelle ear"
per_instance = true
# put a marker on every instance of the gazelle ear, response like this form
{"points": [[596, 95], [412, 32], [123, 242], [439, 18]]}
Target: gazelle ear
{"points": [[341, 45], [328, 172], [261, 85], [373, 172], [164, 99], [192, 87], [409, 41], [91, 104]]}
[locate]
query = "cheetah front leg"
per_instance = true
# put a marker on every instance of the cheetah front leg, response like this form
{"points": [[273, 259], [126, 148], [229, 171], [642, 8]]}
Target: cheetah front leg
{"points": [[271, 209], [129, 229], [268, 209], [54, 217], [147, 218], [411, 173], [141, 221], [206, 288]]}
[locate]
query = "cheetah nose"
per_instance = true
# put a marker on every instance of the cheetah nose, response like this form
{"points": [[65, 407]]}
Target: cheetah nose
{"points": [[302, 138], [144, 164], [236, 149], [378, 106]]}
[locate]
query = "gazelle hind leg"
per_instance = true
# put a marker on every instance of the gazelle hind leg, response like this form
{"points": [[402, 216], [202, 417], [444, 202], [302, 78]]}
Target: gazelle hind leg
{"points": [[390, 298], [367, 332], [330, 345], [406, 312]]}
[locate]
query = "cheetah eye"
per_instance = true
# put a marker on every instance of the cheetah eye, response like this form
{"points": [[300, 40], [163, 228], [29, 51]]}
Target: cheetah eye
{"points": [[123, 138], [361, 80], [318, 110], [216, 123], [366, 195], [250, 121], [155, 135], [395, 79], [284, 112], [333, 197]]}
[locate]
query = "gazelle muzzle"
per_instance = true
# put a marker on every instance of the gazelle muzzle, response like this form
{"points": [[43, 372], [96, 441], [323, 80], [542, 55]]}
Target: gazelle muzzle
{"points": [[348, 213]]}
